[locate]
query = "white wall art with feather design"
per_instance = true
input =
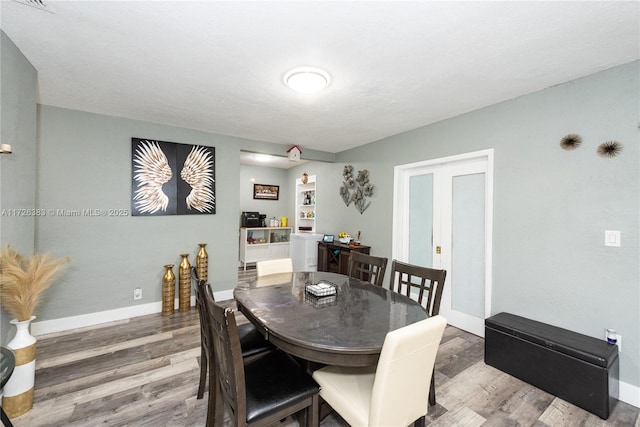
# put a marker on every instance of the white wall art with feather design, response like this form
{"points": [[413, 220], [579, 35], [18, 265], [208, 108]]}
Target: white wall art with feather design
{"points": [[172, 179]]}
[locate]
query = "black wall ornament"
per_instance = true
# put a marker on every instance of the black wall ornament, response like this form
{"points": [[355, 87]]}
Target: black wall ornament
{"points": [[609, 149], [571, 141]]}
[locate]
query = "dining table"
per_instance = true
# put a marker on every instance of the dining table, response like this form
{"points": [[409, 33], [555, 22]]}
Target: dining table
{"points": [[346, 328]]}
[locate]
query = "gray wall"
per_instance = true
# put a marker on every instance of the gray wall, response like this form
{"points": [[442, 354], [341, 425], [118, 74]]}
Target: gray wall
{"points": [[250, 175], [85, 164], [551, 206], [18, 86]]}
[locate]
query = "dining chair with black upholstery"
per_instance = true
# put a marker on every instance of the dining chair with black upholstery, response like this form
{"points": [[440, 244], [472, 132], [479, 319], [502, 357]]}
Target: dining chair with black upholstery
{"points": [[429, 282], [257, 393], [368, 268], [252, 342], [274, 266], [393, 393]]}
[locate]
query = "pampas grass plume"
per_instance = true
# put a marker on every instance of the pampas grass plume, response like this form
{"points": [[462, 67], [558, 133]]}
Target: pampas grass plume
{"points": [[24, 280]]}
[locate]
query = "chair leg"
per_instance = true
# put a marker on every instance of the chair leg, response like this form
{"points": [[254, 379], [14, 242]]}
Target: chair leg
{"points": [[203, 372], [5, 418], [324, 409], [420, 422], [313, 412], [432, 389]]}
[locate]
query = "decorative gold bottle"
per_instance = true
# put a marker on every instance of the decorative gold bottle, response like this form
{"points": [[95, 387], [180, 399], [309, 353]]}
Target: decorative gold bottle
{"points": [[184, 287], [168, 291], [202, 263]]}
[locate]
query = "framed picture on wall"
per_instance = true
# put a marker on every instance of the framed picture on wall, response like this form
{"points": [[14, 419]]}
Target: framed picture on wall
{"points": [[168, 178], [266, 192]]}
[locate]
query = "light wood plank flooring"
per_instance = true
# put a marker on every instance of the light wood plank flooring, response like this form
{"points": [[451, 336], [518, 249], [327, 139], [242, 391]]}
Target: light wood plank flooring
{"points": [[144, 372]]}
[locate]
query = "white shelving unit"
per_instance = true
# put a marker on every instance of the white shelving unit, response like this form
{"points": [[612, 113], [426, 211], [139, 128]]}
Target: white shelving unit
{"points": [[259, 244], [306, 204]]}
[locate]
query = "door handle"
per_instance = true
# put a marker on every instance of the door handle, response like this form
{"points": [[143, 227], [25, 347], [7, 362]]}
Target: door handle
{"points": [[438, 250]]}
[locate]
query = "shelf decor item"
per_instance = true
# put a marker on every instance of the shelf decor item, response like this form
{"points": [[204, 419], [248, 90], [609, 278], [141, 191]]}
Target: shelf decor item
{"points": [[184, 286], [168, 291], [22, 283], [344, 237], [263, 243], [202, 263], [305, 204]]}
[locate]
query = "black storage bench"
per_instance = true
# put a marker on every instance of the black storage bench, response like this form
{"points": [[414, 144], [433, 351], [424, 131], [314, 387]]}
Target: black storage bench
{"points": [[577, 368]]}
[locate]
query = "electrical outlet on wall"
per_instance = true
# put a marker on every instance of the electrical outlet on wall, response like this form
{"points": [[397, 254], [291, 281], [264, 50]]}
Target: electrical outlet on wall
{"points": [[137, 293], [617, 336], [619, 342]]}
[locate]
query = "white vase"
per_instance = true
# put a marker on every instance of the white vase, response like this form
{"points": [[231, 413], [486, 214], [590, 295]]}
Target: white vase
{"points": [[17, 398]]}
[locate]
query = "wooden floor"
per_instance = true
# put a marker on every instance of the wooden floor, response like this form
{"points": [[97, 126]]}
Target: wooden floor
{"points": [[144, 372]]}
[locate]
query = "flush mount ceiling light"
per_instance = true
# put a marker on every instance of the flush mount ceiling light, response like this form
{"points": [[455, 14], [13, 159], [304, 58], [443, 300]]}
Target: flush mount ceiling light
{"points": [[307, 79]]}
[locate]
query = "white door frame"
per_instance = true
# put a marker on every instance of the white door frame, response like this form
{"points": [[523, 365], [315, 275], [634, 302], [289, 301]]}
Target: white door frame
{"points": [[400, 231]]}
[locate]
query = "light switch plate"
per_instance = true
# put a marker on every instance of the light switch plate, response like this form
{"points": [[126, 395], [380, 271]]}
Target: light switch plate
{"points": [[612, 238]]}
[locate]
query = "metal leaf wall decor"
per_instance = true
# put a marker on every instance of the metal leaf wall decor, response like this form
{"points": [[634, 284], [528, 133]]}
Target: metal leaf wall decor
{"points": [[347, 185], [356, 189]]}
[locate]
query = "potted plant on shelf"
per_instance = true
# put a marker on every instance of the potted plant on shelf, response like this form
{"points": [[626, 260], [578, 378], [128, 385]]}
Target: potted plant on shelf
{"points": [[22, 283]]}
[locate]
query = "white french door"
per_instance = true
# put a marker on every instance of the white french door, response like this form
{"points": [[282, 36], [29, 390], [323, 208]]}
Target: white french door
{"points": [[443, 219]]}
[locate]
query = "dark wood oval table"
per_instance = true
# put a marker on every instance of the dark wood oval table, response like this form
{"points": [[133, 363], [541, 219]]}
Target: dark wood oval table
{"points": [[347, 330]]}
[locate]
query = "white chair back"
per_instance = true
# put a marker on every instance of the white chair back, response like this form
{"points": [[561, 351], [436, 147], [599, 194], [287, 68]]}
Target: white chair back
{"points": [[401, 387], [274, 266]]}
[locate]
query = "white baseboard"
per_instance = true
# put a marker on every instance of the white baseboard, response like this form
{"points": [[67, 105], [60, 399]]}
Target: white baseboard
{"points": [[92, 319], [628, 393], [223, 295]]}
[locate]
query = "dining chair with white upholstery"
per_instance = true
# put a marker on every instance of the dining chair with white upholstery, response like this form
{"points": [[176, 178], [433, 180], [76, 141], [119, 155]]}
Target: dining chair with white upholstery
{"points": [[274, 266], [429, 285], [393, 393]]}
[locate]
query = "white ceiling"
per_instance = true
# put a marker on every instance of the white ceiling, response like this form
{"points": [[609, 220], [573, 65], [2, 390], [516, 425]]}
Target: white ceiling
{"points": [[395, 66]]}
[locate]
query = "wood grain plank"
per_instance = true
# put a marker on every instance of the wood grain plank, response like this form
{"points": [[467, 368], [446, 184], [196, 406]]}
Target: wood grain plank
{"points": [[460, 417], [144, 372]]}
